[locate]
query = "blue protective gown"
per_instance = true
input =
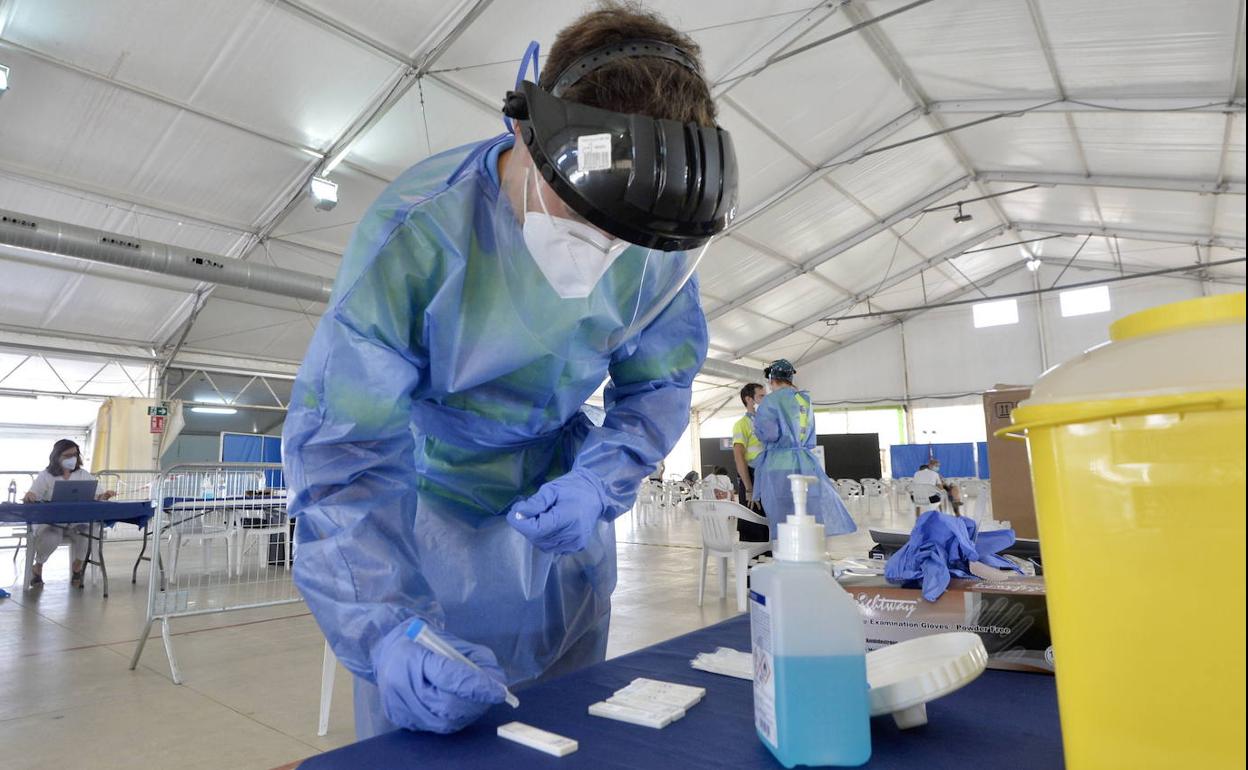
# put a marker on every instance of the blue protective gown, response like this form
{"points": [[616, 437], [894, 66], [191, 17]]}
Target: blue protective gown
{"points": [[444, 384], [785, 423]]}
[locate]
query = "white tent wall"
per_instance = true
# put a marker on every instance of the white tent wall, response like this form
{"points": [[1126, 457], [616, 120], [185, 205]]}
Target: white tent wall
{"points": [[946, 355]]}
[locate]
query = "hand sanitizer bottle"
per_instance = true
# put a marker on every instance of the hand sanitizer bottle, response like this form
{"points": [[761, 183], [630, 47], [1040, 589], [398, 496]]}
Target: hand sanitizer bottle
{"points": [[811, 698]]}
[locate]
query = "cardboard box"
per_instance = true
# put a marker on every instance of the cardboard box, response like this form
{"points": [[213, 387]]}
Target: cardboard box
{"points": [[1009, 465], [1010, 616]]}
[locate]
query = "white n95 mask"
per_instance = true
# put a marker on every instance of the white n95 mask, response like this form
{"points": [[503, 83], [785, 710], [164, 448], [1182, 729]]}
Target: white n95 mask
{"points": [[573, 256]]}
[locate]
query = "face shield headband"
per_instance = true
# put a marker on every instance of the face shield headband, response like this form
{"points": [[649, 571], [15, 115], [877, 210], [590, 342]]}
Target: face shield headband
{"points": [[651, 182]]}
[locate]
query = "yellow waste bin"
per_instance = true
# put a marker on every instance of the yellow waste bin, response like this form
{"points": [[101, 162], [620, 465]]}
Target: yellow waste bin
{"points": [[1137, 458]]}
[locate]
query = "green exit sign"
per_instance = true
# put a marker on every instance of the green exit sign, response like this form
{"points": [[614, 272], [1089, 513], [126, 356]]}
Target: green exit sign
{"points": [[158, 411]]}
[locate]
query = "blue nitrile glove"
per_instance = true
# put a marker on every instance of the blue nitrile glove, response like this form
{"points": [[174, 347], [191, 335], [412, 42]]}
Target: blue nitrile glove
{"points": [[942, 547], [422, 690], [563, 514]]}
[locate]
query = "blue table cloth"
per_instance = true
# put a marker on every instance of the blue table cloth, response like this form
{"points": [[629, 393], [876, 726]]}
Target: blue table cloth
{"points": [[1002, 719], [76, 513]]}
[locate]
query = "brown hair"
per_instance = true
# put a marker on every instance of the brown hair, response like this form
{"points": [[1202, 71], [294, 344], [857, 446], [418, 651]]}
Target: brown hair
{"points": [[648, 86], [749, 390]]}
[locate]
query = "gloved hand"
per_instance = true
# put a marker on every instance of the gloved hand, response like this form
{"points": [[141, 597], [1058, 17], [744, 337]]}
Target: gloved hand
{"points": [[563, 514], [422, 690]]}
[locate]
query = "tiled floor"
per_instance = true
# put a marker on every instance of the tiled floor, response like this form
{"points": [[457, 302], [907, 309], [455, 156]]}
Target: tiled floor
{"points": [[251, 678]]}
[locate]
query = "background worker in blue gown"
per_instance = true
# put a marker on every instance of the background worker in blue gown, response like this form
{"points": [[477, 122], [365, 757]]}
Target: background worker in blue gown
{"points": [[438, 461], [785, 424]]}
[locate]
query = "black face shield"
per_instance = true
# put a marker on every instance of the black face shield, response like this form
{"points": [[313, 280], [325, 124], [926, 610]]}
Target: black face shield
{"points": [[656, 183]]}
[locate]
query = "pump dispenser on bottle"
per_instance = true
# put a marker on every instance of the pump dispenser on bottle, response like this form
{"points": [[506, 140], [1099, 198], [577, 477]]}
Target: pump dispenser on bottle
{"points": [[811, 698]]}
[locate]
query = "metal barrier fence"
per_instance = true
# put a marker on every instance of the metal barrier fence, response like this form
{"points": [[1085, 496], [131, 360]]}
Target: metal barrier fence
{"points": [[129, 486], [244, 539]]}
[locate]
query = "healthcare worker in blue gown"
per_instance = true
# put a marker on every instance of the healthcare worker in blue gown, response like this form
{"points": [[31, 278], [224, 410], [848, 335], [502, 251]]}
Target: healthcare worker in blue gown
{"points": [[785, 424], [438, 460]]}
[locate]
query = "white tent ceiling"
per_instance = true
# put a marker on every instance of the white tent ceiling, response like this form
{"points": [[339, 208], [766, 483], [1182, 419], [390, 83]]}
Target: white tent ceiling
{"points": [[198, 124]]}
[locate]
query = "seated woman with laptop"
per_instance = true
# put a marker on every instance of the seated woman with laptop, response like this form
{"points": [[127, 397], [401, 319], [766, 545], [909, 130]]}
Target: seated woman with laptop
{"points": [[64, 465]]}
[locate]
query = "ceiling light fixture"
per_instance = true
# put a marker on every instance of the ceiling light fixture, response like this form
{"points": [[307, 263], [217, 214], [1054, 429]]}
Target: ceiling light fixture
{"points": [[4, 78], [213, 410], [1034, 264], [324, 193], [960, 217]]}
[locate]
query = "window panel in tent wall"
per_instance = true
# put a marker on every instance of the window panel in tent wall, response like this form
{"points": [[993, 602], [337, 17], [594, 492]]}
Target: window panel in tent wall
{"points": [[304, 83], [1180, 145], [953, 424], [969, 49], [1142, 47], [947, 354], [1068, 337]]}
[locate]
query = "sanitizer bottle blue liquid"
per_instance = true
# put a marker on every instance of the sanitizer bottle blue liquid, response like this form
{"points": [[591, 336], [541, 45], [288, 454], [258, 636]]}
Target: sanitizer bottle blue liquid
{"points": [[811, 698]]}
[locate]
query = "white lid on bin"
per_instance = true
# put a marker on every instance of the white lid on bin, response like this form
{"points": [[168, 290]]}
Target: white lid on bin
{"points": [[905, 676], [1184, 347]]}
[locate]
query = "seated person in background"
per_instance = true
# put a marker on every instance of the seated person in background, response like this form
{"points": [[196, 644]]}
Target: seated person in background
{"points": [[717, 486], [930, 474], [785, 424], [64, 464], [658, 472]]}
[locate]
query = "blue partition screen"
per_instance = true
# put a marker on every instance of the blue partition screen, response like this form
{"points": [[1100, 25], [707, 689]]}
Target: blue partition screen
{"points": [[981, 452], [955, 459], [254, 448]]}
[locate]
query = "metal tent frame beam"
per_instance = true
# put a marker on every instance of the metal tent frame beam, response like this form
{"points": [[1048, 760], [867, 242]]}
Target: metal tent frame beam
{"points": [[840, 247], [946, 297], [1160, 236], [1214, 103], [857, 299], [1163, 184]]}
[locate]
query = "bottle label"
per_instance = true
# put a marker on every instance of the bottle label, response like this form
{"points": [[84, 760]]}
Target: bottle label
{"points": [[764, 668]]}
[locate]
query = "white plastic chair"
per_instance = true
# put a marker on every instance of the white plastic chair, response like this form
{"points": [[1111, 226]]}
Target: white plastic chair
{"points": [[250, 525], [872, 489], [719, 540], [921, 495], [900, 489], [205, 527]]}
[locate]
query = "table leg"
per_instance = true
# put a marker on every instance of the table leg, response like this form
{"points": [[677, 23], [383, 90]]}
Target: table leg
{"points": [[134, 573], [30, 555], [103, 569], [90, 547]]}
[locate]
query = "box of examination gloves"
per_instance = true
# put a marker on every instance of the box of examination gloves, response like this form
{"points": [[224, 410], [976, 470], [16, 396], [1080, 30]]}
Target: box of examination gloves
{"points": [[1009, 615]]}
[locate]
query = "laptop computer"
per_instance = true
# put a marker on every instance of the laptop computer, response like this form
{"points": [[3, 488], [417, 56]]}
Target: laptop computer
{"points": [[74, 491]]}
